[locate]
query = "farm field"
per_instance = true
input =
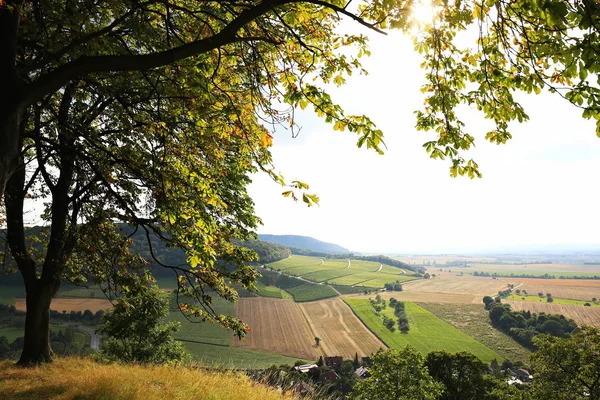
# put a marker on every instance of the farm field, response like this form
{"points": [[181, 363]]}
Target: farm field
{"points": [[210, 344], [556, 300], [426, 297], [296, 261], [577, 289], [427, 331], [452, 284], [474, 320], [271, 291], [68, 305], [535, 269], [277, 326], [581, 315], [9, 292], [311, 292], [341, 332], [341, 272]]}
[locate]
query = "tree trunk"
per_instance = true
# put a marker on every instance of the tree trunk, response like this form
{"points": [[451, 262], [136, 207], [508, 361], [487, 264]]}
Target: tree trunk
{"points": [[36, 347], [9, 144], [10, 91]]}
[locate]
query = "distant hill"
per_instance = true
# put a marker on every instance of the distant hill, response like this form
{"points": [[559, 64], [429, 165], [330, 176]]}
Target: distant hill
{"points": [[304, 242]]}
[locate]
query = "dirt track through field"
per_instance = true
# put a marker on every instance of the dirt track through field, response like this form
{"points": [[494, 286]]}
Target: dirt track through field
{"points": [[341, 332], [277, 326]]}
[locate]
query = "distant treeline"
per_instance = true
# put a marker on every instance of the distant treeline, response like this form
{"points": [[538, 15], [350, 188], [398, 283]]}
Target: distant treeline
{"points": [[544, 276]]}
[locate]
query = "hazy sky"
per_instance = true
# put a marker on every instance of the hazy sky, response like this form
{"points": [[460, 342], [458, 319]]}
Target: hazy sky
{"points": [[539, 189]]}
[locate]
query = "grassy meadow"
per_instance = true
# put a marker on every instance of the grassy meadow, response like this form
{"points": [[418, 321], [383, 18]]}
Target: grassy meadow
{"points": [[427, 332], [75, 379]]}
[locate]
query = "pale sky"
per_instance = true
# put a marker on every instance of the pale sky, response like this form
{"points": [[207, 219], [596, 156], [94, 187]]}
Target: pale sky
{"points": [[539, 189]]}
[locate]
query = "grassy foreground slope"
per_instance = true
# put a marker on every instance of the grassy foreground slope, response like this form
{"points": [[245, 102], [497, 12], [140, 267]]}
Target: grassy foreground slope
{"points": [[427, 332], [73, 378]]}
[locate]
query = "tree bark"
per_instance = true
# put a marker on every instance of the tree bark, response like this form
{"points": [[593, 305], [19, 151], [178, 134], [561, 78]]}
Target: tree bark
{"points": [[36, 347]]}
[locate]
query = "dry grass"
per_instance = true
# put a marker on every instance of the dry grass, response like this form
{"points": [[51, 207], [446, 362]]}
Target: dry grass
{"points": [[72, 378], [580, 314], [68, 305], [277, 326], [341, 332]]}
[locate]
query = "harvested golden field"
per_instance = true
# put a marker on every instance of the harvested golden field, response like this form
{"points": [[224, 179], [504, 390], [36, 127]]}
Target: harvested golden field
{"points": [[426, 297], [277, 326], [563, 288], [582, 315], [341, 332], [68, 305], [465, 285]]}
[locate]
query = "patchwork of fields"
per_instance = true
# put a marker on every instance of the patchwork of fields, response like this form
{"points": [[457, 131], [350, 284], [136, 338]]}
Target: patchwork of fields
{"points": [[341, 272], [289, 328], [427, 332]]}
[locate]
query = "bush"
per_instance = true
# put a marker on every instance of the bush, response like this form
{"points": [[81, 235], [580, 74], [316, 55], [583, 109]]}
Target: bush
{"points": [[136, 333]]}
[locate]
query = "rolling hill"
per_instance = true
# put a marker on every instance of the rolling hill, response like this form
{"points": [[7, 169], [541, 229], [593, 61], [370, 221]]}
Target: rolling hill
{"points": [[305, 243]]}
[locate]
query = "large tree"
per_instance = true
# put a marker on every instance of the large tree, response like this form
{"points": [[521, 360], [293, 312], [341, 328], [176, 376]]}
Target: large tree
{"points": [[152, 112]]}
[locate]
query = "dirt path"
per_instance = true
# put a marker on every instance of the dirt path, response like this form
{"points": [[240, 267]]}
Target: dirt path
{"points": [[347, 266], [380, 268]]}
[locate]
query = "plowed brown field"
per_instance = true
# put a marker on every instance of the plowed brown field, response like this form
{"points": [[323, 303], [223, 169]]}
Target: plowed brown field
{"points": [[341, 332], [69, 305], [580, 314], [277, 326]]}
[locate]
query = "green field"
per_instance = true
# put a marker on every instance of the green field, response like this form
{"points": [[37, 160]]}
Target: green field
{"points": [[311, 292], [296, 261], [556, 300], [474, 320], [235, 358], [427, 332], [12, 333], [271, 291]]}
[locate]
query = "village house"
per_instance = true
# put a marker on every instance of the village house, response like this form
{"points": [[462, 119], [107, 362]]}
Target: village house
{"points": [[362, 373], [334, 362], [329, 376], [305, 368]]}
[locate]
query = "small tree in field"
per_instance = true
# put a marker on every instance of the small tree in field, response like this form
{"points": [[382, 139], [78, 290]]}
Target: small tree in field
{"points": [[136, 333], [317, 341]]}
